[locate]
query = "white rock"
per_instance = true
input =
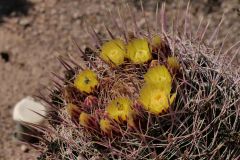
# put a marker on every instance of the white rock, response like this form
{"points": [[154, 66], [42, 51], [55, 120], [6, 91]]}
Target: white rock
{"points": [[30, 111]]}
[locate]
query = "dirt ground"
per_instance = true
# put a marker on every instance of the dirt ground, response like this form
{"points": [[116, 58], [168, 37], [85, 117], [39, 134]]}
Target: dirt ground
{"points": [[34, 33]]}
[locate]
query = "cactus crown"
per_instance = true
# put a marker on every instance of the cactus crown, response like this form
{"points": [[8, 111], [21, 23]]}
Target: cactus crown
{"points": [[147, 95]]}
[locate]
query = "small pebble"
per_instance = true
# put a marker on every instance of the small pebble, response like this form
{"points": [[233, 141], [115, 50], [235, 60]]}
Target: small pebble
{"points": [[25, 22], [24, 148]]}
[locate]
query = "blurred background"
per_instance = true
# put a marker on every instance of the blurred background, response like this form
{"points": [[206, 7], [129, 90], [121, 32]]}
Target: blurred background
{"points": [[33, 33]]}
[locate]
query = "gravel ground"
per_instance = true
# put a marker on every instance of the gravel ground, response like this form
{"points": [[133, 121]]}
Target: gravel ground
{"points": [[33, 35]]}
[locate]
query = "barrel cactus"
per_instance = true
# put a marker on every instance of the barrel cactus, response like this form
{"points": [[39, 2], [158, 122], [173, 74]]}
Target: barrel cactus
{"points": [[145, 94]]}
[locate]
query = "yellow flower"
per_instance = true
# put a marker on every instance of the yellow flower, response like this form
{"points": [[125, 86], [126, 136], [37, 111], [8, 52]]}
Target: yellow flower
{"points": [[138, 51], [154, 99], [73, 110], [120, 109], [84, 119], [159, 76], [173, 63], [113, 52], [105, 125], [86, 81], [156, 41]]}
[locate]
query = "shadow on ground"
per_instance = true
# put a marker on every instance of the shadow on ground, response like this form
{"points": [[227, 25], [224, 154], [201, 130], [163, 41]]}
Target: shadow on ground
{"points": [[14, 8]]}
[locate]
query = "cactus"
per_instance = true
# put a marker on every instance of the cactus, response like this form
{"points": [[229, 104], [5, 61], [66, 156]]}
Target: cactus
{"points": [[145, 95]]}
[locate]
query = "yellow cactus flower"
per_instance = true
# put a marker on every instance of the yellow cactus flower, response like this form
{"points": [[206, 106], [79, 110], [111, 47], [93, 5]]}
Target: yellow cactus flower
{"points": [[105, 125], [86, 81], [156, 41], [160, 76], [173, 63], [73, 110], [154, 99], [84, 119], [138, 51], [113, 52], [120, 109]]}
